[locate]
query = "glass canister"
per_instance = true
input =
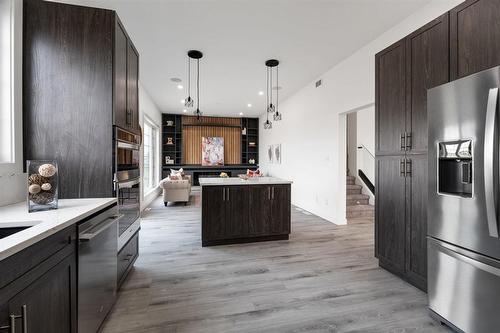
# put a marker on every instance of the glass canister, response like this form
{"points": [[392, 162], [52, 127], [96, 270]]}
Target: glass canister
{"points": [[42, 185]]}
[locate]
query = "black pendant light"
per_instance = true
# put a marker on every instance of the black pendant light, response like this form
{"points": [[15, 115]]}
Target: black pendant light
{"points": [[270, 107], [188, 101], [197, 55]]}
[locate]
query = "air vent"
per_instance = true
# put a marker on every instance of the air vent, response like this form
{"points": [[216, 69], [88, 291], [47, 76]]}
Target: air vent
{"points": [[319, 83]]}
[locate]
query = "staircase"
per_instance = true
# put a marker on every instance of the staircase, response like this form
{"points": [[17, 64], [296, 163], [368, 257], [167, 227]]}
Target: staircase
{"points": [[356, 202]]}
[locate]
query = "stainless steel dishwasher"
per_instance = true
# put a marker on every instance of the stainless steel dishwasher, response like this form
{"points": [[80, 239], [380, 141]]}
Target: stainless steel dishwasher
{"points": [[97, 269]]}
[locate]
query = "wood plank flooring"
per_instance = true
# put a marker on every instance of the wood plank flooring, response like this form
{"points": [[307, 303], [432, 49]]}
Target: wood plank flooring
{"points": [[324, 279]]}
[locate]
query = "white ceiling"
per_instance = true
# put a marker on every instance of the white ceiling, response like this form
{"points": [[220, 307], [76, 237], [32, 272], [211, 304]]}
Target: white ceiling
{"points": [[236, 36]]}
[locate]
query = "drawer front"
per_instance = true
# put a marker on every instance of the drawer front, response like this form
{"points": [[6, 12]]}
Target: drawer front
{"points": [[127, 256], [463, 288]]}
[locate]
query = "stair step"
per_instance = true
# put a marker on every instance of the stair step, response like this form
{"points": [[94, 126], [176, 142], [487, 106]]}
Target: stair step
{"points": [[358, 196], [360, 211], [353, 189], [356, 202], [350, 180]]}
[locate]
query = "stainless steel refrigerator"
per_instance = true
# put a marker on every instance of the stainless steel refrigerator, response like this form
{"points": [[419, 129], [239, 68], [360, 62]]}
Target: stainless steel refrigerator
{"points": [[463, 203]]}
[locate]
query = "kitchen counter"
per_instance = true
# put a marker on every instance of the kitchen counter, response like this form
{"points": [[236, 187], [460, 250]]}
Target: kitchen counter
{"points": [[217, 181], [43, 224]]}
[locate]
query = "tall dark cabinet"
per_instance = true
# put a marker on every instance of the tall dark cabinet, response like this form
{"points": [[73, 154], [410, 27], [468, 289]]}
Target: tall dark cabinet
{"points": [[80, 78], [404, 72]]}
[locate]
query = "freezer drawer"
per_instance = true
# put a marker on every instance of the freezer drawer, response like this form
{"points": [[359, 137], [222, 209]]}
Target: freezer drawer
{"points": [[463, 287]]}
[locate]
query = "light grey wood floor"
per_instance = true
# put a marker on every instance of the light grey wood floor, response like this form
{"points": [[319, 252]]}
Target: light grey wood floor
{"points": [[324, 279]]}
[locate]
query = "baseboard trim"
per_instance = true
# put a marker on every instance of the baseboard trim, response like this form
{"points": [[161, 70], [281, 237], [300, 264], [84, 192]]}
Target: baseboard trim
{"points": [[244, 240]]}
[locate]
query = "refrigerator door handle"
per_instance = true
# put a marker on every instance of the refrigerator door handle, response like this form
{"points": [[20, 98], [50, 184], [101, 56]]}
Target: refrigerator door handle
{"points": [[489, 153]]}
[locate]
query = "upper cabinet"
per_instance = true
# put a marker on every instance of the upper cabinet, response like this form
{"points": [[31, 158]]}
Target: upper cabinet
{"points": [[390, 77], [427, 66], [475, 37], [404, 72], [126, 72]]}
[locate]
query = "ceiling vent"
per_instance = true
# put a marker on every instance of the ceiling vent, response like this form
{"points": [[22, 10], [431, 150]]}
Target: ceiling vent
{"points": [[319, 83]]}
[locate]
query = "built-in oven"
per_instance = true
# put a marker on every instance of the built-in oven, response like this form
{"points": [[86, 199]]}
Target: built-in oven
{"points": [[127, 183]]}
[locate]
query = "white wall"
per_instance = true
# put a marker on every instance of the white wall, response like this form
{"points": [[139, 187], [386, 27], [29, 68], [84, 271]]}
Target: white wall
{"points": [[148, 108], [312, 132]]}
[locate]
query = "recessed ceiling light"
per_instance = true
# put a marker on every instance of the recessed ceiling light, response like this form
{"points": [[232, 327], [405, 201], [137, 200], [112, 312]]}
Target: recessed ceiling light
{"points": [[180, 87], [249, 105], [184, 110], [182, 101], [241, 113], [175, 79], [261, 93]]}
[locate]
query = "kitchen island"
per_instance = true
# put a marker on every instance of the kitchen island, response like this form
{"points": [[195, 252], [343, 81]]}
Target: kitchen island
{"points": [[236, 210]]}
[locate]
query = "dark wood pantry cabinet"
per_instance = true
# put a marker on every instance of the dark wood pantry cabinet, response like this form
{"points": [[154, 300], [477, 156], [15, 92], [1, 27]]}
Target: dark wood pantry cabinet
{"points": [[463, 41], [80, 78], [404, 72]]}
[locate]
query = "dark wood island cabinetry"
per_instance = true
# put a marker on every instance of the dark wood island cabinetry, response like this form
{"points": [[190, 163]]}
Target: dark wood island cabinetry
{"points": [[241, 211]]}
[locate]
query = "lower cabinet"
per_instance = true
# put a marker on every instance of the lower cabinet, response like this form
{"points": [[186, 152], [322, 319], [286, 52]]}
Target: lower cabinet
{"points": [[42, 297], [235, 214], [401, 216], [126, 258]]}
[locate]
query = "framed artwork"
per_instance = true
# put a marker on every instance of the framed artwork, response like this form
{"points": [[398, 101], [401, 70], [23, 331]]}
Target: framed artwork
{"points": [[270, 153], [212, 151], [277, 153]]}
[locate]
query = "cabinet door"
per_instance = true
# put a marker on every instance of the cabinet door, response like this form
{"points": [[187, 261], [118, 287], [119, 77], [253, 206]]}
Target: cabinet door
{"points": [[390, 99], [280, 210], [49, 301], [132, 88], [237, 198], [214, 211], [120, 64], [259, 210], [427, 63], [475, 37], [416, 217], [390, 213]]}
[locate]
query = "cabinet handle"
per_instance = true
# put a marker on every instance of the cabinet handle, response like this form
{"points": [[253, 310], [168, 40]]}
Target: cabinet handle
{"points": [[408, 168], [402, 168], [272, 197], [269, 193], [228, 194], [223, 194], [402, 142], [13, 318], [408, 141]]}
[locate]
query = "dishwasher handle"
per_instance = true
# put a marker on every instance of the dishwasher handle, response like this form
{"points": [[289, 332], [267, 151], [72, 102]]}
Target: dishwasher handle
{"points": [[88, 236]]}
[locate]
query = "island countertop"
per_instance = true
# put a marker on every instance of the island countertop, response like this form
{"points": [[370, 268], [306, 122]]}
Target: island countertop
{"points": [[43, 224], [217, 181]]}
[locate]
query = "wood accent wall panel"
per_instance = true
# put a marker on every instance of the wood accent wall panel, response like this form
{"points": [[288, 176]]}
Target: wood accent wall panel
{"points": [[193, 130]]}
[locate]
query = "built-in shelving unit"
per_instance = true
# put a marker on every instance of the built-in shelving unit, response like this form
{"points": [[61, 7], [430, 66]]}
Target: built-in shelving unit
{"points": [[249, 140], [172, 138]]}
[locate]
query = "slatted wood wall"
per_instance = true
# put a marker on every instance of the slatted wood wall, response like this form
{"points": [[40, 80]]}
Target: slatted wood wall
{"points": [[193, 130]]}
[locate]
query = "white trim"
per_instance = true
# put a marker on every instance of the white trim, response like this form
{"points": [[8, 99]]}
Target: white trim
{"points": [[7, 144]]}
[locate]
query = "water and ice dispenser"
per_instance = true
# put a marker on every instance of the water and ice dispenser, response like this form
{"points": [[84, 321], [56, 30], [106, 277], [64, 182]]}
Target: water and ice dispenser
{"points": [[455, 168]]}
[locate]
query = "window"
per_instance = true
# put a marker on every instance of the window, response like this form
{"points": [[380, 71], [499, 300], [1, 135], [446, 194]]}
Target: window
{"points": [[6, 83], [151, 152]]}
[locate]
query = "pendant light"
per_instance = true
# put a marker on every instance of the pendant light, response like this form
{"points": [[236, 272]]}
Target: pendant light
{"points": [[277, 114], [188, 101], [196, 55], [270, 107]]}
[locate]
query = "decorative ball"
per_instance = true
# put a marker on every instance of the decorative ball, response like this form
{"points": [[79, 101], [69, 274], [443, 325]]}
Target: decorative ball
{"points": [[46, 186], [42, 198], [34, 189], [37, 179], [47, 170]]}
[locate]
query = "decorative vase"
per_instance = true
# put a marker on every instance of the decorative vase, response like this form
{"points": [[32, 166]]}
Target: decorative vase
{"points": [[42, 185]]}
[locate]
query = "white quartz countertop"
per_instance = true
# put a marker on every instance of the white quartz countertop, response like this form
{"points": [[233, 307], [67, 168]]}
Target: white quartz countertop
{"points": [[43, 224], [217, 181]]}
